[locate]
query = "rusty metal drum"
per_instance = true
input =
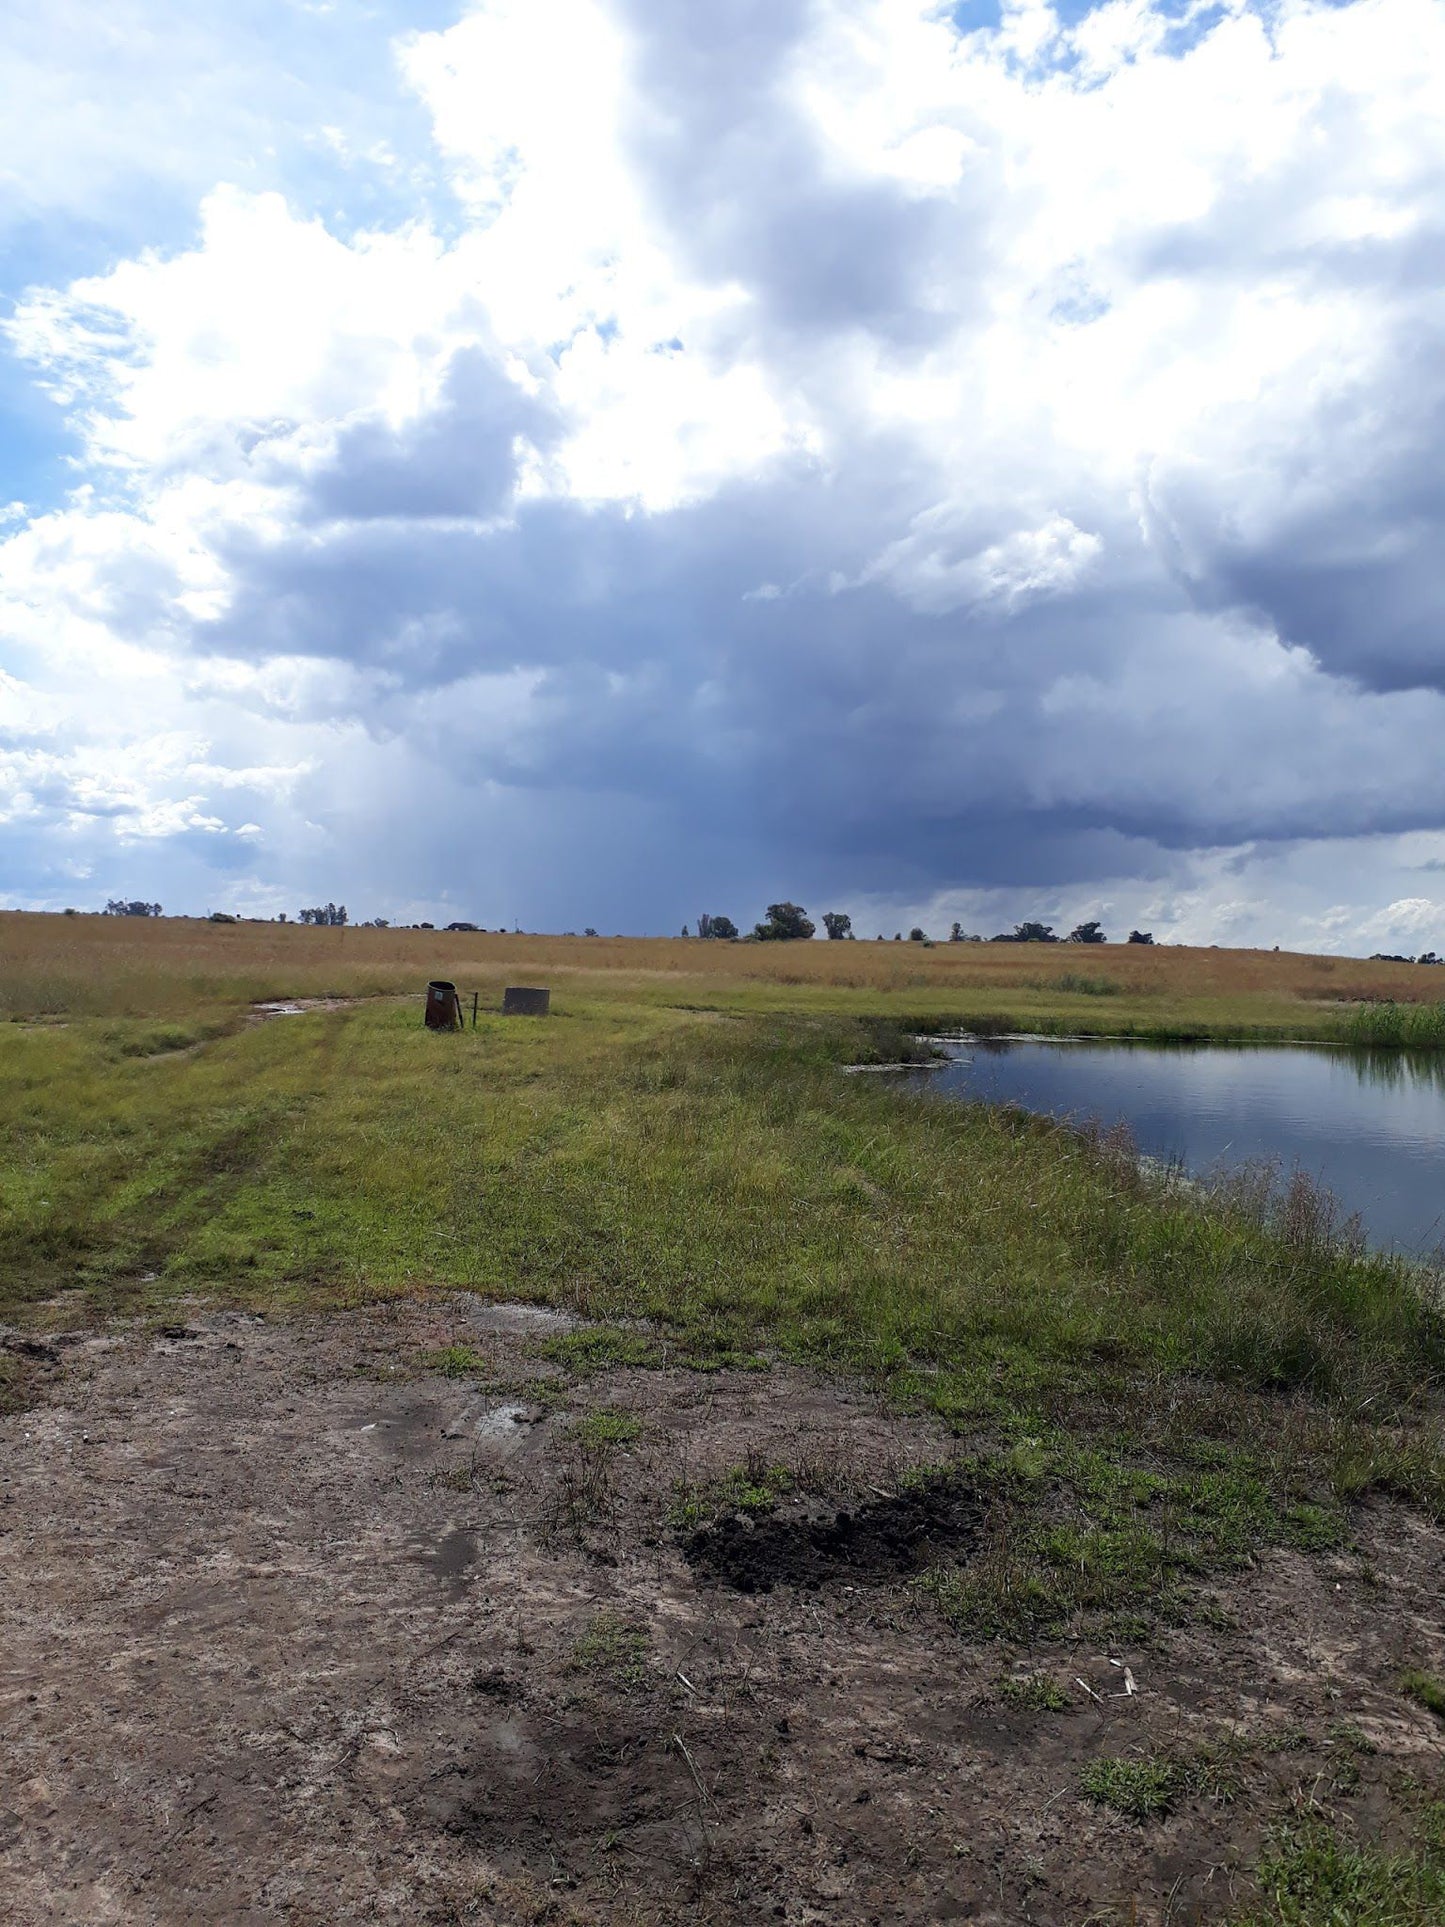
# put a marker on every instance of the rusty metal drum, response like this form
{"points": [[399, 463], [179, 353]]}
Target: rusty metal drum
{"points": [[443, 1006], [518, 1001]]}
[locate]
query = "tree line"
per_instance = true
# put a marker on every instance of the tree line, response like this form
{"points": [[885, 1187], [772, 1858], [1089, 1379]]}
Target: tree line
{"points": [[784, 923], [790, 923]]}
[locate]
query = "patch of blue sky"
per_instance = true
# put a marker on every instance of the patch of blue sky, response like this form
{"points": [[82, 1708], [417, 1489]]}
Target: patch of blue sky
{"points": [[35, 445], [1190, 21], [291, 96], [969, 16]]}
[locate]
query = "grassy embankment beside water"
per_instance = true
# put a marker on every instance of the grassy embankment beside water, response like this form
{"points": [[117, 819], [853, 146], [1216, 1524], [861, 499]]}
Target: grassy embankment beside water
{"points": [[674, 1144], [1148, 1383]]}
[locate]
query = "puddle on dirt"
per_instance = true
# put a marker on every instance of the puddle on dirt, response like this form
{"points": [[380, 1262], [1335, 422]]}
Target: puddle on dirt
{"points": [[877, 1542], [522, 1319], [413, 1432], [298, 1007], [503, 1422], [450, 1560]]}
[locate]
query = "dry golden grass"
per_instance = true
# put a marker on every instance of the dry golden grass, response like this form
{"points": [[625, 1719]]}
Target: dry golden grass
{"points": [[55, 966]]}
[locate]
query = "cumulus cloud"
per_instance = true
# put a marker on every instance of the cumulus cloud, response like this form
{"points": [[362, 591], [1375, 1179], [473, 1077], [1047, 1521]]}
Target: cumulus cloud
{"points": [[824, 449]]}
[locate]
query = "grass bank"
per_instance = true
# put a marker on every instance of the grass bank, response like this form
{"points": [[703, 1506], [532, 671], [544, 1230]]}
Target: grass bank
{"points": [[715, 1174]]}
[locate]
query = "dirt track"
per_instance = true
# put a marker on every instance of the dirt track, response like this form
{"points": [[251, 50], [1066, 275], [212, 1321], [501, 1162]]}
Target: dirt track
{"points": [[295, 1629]]}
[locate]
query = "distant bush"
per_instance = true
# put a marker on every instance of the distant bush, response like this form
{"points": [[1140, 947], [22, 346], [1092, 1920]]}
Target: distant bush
{"points": [[786, 923], [1141, 936], [1028, 933]]}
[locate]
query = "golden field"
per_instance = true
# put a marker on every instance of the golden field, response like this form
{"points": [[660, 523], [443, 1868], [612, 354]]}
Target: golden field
{"points": [[176, 967]]}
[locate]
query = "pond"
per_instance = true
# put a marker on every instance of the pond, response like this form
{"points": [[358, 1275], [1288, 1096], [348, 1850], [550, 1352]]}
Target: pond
{"points": [[1369, 1125]]}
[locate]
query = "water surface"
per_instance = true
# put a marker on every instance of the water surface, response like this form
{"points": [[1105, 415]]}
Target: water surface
{"points": [[1368, 1124]]}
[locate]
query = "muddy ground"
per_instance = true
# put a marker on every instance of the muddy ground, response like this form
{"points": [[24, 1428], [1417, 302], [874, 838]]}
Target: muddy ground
{"points": [[298, 1628]]}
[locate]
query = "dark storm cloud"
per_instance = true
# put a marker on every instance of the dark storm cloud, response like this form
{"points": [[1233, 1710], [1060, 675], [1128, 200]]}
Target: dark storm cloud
{"points": [[458, 460], [869, 738], [966, 635], [737, 176], [1338, 542]]}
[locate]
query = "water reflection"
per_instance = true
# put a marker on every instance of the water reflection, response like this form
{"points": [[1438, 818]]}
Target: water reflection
{"points": [[1393, 1068], [1368, 1124]]}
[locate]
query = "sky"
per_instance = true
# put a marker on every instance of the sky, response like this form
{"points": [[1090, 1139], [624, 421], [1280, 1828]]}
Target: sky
{"points": [[566, 463]]}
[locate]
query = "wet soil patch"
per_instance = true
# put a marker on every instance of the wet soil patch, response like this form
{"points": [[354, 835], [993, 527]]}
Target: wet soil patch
{"points": [[539, 1800], [453, 1556], [876, 1542]]}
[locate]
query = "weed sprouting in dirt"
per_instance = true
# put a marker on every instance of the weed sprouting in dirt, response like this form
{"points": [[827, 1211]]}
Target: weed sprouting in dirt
{"points": [[755, 1487], [607, 1426], [1139, 1789], [601, 1348], [583, 1491], [612, 1650], [1150, 1788], [1033, 1693], [1425, 1689], [456, 1361]]}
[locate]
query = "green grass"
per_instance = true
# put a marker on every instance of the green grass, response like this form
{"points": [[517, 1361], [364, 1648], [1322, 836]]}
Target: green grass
{"points": [[608, 1427], [1426, 1690], [456, 1361], [613, 1651], [1148, 1789], [1395, 1026], [1103, 1532], [1071, 984], [1033, 1694], [719, 1179], [601, 1349], [1313, 1877], [1139, 1789], [1152, 1380]]}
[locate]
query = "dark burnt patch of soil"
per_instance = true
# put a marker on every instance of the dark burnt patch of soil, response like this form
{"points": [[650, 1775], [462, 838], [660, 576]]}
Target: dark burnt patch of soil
{"points": [[877, 1542]]}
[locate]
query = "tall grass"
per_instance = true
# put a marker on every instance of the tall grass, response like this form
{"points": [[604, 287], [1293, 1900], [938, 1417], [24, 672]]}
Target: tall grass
{"points": [[176, 968], [1395, 1026]]}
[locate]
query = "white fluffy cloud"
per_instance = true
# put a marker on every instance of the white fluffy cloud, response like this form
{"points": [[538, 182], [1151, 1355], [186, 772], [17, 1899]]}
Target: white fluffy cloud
{"points": [[821, 449]]}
